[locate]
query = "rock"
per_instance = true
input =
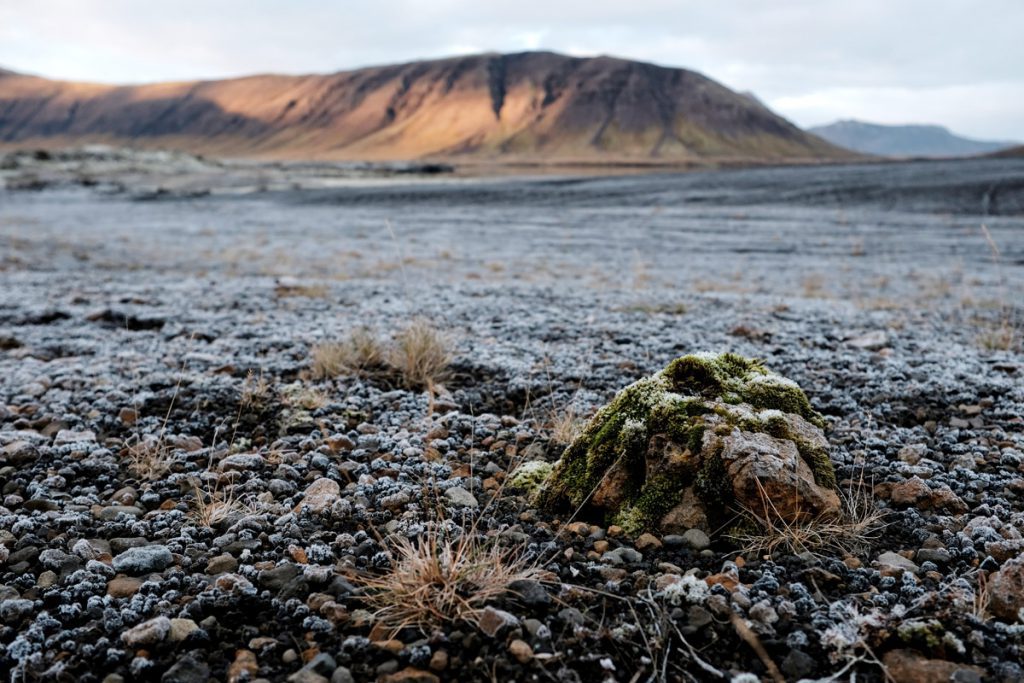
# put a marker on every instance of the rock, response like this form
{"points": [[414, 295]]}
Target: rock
{"points": [[15, 609], [221, 564], [439, 660], [646, 541], [305, 675], [706, 434], [908, 666], [67, 436], [623, 555], [521, 650], [147, 633], [460, 497], [798, 665], [870, 341], [915, 492], [242, 462], [688, 513], [244, 667], [531, 593], [320, 496], [144, 560], [19, 452], [896, 564], [181, 629], [411, 675], [1006, 591], [188, 669], [123, 586], [496, 623], [342, 675], [696, 539]]}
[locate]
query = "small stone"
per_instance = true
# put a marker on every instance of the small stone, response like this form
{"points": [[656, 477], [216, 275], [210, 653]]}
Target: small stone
{"points": [[870, 341], [67, 436], [798, 665], [531, 593], [181, 629], [908, 666], [123, 586], [188, 669], [439, 660], [144, 560], [244, 667], [221, 564], [895, 564], [320, 496], [646, 541], [1006, 591], [342, 675], [15, 609], [497, 623], [521, 651], [411, 675], [147, 633], [460, 497], [696, 539]]}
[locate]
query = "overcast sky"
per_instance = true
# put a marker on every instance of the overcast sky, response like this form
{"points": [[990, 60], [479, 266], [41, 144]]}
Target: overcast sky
{"points": [[955, 62]]}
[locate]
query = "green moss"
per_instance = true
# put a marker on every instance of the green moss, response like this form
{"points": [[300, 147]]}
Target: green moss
{"points": [[771, 392], [821, 466], [659, 495], [712, 484], [531, 475]]}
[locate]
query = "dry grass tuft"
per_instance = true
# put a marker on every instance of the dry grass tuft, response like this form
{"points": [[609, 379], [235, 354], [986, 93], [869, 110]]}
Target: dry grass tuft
{"points": [[420, 356], [211, 506], [255, 392], [437, 579], [565, 425], [150, 457], [859, 524], [360, 354], [1004, 334]]}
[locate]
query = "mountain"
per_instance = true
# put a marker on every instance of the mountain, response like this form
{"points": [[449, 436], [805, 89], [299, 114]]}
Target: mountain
{"points": [[1010, 153], [903, 141], [533, 105]]}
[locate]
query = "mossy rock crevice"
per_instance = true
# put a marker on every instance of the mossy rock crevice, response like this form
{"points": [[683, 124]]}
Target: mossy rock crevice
{"points": [[689, 446]]}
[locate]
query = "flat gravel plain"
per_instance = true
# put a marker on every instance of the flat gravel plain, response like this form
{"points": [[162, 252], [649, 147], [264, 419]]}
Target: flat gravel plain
{"points": [[892, 293]]}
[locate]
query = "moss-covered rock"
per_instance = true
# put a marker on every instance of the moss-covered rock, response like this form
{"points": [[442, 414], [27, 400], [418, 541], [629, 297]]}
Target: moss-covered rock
{"points": [[691, 445]]}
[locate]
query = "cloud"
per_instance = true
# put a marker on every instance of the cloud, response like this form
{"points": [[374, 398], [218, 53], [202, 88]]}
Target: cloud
{"points": [[876, 56]]}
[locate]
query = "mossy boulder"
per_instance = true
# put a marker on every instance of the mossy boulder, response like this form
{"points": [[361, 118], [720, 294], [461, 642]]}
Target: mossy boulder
{"points": [[692, 445]]}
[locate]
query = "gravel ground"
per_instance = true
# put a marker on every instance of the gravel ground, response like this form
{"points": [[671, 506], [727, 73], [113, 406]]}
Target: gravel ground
{"points": [[189, 321]]}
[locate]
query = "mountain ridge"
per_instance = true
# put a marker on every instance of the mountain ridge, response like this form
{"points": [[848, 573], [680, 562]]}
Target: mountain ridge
{"points": [[529, 105], [905, 140]]}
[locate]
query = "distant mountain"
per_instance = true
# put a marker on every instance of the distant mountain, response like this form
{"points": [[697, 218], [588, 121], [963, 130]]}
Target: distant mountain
{"points": [[530, 106], [1011, 153], [903, 141]]}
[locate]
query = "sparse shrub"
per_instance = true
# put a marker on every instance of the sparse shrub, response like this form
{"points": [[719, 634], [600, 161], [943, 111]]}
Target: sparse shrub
{"points": [[360, 354], [439, 579], [566, 425], [149, 457], [255, 392], [420, 356], [211, 506]]}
